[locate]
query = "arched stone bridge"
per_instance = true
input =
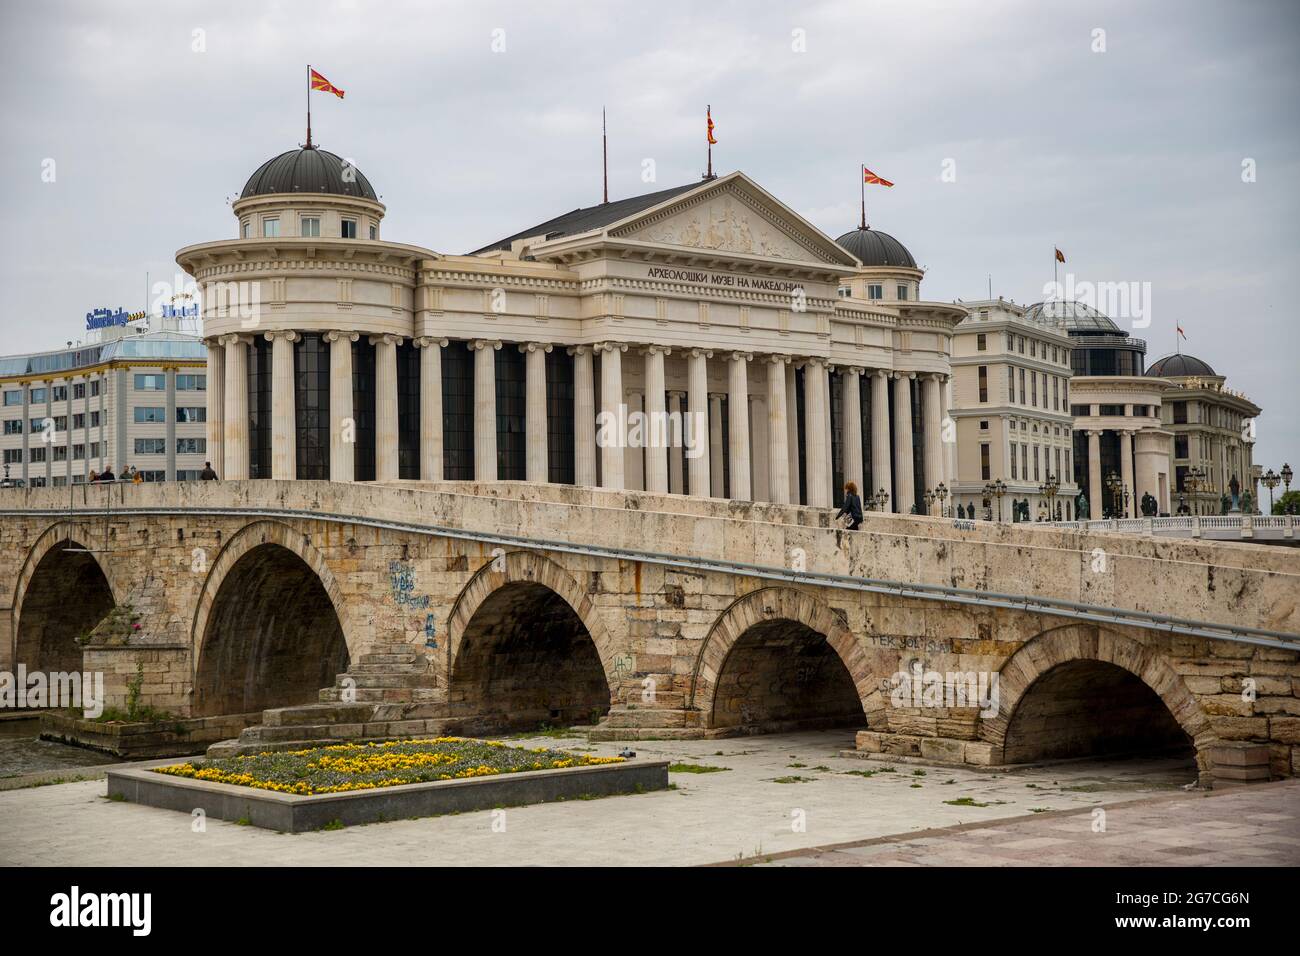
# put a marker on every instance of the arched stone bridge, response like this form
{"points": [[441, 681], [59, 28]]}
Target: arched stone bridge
{"points": [[408, 608]]}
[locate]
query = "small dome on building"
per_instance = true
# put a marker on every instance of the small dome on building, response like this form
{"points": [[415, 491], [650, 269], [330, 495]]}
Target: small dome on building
{"points": [[1180, 365], [1074, 317], [876, 248], [309, 171]]}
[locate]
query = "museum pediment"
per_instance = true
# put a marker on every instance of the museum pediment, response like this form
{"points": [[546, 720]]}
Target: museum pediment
{"points": [[733, 215]]}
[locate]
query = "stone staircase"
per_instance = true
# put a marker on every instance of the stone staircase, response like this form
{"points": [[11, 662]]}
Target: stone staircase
{"points": [[389, 691], [666, 717]]}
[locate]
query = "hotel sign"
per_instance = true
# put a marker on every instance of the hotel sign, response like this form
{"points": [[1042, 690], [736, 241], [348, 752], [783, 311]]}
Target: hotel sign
{"points": [[106, 318], [723, 280]]}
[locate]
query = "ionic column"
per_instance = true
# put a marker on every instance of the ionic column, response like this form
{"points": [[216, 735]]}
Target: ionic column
{"points": [[677, 451], [717, 478], [284, 450], [931, 402], [537, 460], [817, 427], [216, 427], [1095, 498], [778, 432], [851, 402], [584, 418], [1126, 463], [343, 427], [881, 475], [236, 418], [905, 491], [431, 468], [656, 450], [611, 402], [698, 422], [485, 409], [792, 432], [738, 420], [386, 426]]}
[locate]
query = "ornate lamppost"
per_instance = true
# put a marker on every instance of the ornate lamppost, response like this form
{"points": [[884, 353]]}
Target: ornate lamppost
{"points": [[880, 499], [1114, 484], [941, 493], [928, 497], [1048, 489], [1287, 475], [996, 489], [1270, 480], [1194, 482]]}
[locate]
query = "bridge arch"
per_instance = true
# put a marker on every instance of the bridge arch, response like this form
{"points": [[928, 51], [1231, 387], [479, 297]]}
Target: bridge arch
{"points": [[46, 617], [270, 625], [1079, 689], [526, 645], [804, 634]]}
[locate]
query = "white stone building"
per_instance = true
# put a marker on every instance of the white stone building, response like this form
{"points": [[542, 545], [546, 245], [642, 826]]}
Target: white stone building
{"points": [[795, 362]]}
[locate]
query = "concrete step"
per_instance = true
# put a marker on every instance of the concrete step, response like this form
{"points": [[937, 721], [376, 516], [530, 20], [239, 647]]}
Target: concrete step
{"points": [[359, 672], [387, 679], [313, 714], [379, 695], [604, 733], [406, 657], [621, 718]]}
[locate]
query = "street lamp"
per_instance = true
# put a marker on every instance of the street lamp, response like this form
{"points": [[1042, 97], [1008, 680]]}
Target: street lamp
{"points": [[942, 494], [928, 497], [880, 499], [1270, 480], [996, 489], [1048, 489], [1114, 484], [1194, 482], [1287, 475]]}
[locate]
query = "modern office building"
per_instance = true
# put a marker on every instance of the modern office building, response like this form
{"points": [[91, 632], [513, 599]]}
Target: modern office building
{"points": [[1011, 414], [1213, 434], [794, 362], [134, 398]]}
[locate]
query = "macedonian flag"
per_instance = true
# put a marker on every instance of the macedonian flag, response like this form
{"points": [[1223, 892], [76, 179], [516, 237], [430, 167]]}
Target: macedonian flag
{"points": [[709, 115], [871, 179], [319, 82]]}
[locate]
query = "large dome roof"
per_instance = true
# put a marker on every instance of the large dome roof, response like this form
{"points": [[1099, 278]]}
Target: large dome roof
{"points": [[876, 248], [308, 170], [1177, 365], [1072, 317]]}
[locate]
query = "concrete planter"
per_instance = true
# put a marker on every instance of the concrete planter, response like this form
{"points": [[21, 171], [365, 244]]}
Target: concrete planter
{"points": [[181, 737], [291, 813]]}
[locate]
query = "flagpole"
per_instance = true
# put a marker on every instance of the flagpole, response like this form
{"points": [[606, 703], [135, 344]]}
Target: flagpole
{"points": [[309, 106], [862, 188], [1056, 282], [604, 150], [708, 111]]}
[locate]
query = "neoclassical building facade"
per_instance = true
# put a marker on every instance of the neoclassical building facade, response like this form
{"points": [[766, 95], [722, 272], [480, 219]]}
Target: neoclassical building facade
{"points": [[702, 340]]}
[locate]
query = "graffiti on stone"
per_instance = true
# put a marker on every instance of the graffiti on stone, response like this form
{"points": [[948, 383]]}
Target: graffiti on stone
{"points": [[401, 580]]}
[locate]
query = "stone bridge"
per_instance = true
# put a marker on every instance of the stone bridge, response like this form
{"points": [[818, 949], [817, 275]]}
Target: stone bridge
{"points": [[347, 610]]}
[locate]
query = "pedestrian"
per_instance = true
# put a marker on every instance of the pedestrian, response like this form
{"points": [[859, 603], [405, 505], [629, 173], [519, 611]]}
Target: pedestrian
{"points": [[850, 513], [107, 475], [207, 474]]}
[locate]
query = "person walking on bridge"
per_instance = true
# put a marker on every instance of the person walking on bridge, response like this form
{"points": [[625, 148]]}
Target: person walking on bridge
{"points": [[851, 509]]}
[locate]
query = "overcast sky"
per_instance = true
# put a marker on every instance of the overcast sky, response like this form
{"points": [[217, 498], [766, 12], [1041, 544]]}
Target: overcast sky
{"points": [[1130, 160]]}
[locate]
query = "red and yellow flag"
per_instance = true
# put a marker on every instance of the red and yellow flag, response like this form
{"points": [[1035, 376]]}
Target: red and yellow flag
{"points": [[709, 115], [871, 179], [1060, 256], [319, 82]]}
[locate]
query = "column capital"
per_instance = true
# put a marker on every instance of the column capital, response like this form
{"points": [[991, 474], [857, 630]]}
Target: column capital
{"points": [[610, 347], [882, 373], [741, 356], [289, 335], [387, 338], [701, 353], [477, 344], [852, 369], [340, 335], [903, 373], [235, 338], [428, 342], [776, 358], [812, 360], [656, 350], [534, 346], [579, 350]]}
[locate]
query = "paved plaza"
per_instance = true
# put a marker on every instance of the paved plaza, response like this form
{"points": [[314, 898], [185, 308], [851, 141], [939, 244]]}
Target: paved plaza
{"points": [[779, 793]]}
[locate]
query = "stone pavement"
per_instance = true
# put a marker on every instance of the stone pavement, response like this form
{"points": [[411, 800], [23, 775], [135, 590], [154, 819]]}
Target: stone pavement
{"points": [[780, 793], [1245, 826]]}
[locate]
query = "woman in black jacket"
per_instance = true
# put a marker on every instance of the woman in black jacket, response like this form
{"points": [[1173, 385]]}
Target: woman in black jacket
{"points": [[852, 506]]}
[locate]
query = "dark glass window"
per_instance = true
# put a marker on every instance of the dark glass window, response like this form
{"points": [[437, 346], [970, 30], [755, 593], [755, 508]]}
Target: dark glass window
{"points": [[458, 412], [311, 406], [918, 445], [801, 409], [984, 383], [864, 397], [1180, 446], [836, 398], [259, 408], [726, 447], [984, 461], [559, 417], [363, 408], [512, 440], [408, 411], [1180, 413]]}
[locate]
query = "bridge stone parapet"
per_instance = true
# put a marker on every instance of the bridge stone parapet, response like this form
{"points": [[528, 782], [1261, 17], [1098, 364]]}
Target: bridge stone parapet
{"points": [[656, 615]]}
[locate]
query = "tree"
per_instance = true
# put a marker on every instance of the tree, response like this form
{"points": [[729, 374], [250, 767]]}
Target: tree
{"points": [[1289, 500]]}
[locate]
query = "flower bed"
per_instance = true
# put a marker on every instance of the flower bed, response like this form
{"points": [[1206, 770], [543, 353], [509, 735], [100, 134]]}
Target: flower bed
{"points": [[342, 768]]}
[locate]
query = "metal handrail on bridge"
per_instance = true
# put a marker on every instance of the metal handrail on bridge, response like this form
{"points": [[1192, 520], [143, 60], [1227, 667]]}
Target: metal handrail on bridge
{"points": [[1056, 607]]}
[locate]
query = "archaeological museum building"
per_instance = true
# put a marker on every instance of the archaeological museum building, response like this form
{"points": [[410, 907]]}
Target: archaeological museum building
{"points": [[703, 340]]}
